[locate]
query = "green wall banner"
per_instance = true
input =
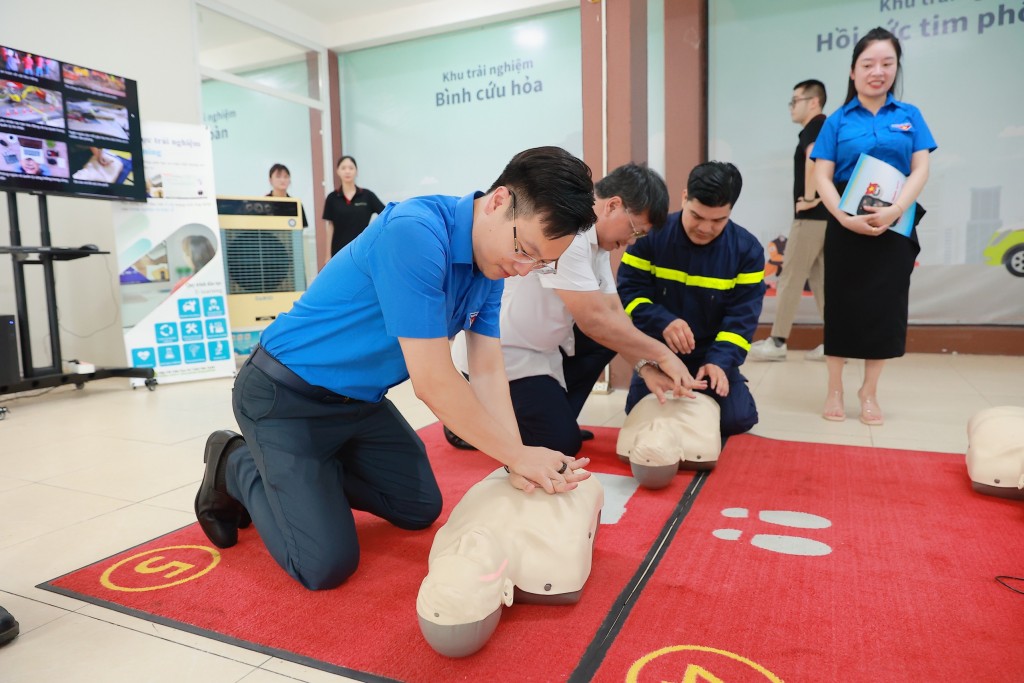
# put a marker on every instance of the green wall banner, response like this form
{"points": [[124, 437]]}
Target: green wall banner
{"points": [[444, 114]]}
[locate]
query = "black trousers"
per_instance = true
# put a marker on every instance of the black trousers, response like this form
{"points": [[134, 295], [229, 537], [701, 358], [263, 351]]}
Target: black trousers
{"points": [[546, 412]]}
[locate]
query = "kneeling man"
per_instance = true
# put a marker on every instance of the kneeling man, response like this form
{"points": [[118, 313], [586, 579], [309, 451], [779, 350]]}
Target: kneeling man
{"points": [[560, 326], [698, 284]]}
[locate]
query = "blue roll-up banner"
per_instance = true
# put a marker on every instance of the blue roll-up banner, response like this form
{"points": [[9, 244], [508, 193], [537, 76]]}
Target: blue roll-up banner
{"points": [[173, 293]]}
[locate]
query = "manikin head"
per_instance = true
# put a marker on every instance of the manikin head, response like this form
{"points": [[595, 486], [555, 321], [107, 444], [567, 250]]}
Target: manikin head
{"points": [[995, 451], [660, 439], [659, 444], [460, 600], [500, 546]]}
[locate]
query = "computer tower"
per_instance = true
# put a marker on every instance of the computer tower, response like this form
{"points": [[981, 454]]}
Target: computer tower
{"points": [[10, 372]]}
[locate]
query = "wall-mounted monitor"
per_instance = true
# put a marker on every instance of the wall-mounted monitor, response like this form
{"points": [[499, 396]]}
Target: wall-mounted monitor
{"points": [[67, 129]]}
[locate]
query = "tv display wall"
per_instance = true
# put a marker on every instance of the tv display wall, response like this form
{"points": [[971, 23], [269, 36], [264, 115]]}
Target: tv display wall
{"points": [[67, 129]]}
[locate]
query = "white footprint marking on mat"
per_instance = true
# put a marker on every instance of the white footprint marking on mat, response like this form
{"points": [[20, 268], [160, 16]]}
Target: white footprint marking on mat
{"points": [[788, 545]]}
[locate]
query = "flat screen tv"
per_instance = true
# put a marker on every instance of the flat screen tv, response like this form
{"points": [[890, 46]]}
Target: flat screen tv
{"points": [[67, 129]]}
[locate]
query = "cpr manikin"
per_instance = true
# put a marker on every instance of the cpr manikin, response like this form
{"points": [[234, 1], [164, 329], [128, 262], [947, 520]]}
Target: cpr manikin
{"points": [[995, 451], [500, 546], [658, 439]]}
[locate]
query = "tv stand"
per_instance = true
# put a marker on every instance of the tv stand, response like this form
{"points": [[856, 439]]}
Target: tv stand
{"points": [[33, 377]]}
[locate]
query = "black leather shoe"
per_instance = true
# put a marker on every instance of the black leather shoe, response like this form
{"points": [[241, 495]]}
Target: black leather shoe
{"points": [[457, 441], [219, 515], [9, 628], [586, 435]]}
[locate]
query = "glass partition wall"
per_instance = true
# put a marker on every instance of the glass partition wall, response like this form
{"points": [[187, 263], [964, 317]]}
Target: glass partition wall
{"points": [[265, 99]]}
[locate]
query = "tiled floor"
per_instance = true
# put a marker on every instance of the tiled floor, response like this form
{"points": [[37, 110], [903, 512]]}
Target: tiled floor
{"points": [[85, 474]]}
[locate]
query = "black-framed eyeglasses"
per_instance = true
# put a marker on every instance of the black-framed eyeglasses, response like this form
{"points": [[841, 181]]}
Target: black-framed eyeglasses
{"points": [[792, 102], [519, 255], [636, 234]]}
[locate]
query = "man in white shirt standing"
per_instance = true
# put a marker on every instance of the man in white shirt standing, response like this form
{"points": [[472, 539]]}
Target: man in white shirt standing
{"points": [[561, 325]]}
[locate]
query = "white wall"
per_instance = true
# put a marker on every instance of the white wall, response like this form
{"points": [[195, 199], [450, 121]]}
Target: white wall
{"points": [[152, 43], [346, 26], [158, 51], [429, 18]]}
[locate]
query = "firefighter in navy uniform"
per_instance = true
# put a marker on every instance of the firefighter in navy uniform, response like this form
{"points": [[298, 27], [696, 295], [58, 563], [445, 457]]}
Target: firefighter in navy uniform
{"points": [[698, 284]]}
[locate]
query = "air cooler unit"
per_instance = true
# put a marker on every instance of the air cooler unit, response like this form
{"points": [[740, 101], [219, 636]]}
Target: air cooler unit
{"points": [[263, 260]]}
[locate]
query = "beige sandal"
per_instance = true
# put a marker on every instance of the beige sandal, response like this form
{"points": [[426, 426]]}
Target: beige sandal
{"points": [[870, 412], [834, 409]]}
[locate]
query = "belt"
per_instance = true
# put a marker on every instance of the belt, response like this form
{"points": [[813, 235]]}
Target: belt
{"points": [[280, 373]]}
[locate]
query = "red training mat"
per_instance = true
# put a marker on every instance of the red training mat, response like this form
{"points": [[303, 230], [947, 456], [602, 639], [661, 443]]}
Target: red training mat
{"points": [[367, 628], [906, 593]]}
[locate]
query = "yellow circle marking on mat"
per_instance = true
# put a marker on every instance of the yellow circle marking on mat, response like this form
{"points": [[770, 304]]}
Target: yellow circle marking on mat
{"points": [[168, 568], [633, 676]]}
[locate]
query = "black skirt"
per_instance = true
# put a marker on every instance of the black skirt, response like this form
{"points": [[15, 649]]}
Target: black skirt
{"points": [[867, 290]]}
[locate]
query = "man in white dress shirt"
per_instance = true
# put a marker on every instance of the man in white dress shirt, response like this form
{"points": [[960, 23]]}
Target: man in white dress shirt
{"points": [[560, 326]]}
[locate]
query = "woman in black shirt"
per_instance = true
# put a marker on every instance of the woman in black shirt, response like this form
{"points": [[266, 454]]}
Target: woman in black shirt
{"points": [[348, 209], [280, 181]]}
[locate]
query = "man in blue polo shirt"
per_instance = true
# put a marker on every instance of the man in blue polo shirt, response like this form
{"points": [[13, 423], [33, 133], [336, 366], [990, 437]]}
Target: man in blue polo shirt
{"points": [[321, 439]]}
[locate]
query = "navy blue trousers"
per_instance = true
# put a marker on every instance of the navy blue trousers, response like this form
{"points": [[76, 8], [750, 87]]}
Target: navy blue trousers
{"points": [[546, 412], [307, 464]]}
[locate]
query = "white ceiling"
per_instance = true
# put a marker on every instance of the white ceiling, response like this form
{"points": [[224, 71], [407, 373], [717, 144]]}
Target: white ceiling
{"points": [[335, 11], [344, 25], [217, 30]]}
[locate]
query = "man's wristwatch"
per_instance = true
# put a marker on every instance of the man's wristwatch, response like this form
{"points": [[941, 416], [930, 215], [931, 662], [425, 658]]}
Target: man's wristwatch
{"points": [[641, 364]]}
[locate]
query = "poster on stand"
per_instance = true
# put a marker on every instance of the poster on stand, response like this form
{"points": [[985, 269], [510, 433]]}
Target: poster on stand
{"points": [[173, 293]]}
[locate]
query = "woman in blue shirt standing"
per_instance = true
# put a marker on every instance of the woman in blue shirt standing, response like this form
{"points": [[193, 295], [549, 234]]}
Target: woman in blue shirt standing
{"points": [[868, 266]]}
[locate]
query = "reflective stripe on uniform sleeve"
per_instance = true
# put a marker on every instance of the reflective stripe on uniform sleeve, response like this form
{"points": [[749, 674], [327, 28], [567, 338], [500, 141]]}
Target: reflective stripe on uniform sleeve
{"points": [[693, 280], [749, 278], [636, 262], [636, 302], [685, 278], [733, 338], [704, 282]]}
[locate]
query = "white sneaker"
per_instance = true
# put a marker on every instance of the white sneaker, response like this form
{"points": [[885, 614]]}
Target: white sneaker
{"points": [[817, 353], [767, 350]]}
